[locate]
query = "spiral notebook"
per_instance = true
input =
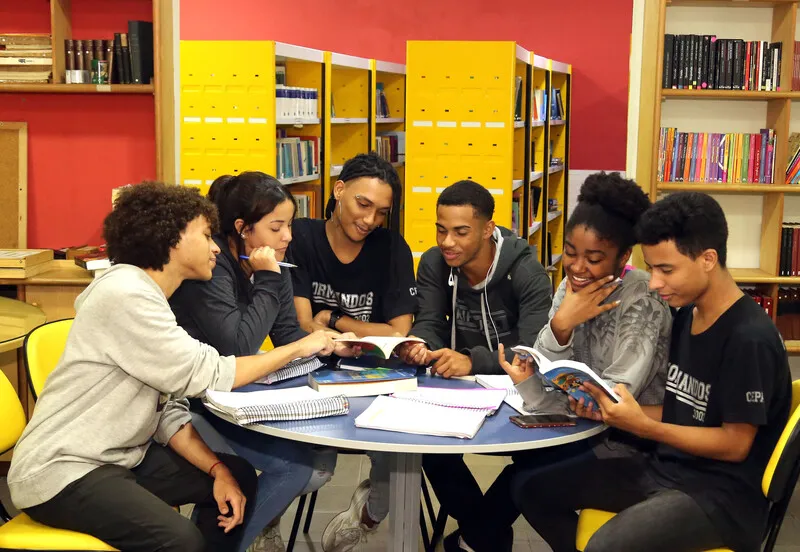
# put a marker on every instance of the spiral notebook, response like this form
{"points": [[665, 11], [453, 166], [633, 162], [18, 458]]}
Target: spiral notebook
{"points": [[405, 416], [296, 403], [485, 400], [503, 381], [297, 367]]}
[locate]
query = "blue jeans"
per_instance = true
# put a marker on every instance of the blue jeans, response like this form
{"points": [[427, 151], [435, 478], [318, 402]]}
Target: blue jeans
{"points": [[286, 467]]}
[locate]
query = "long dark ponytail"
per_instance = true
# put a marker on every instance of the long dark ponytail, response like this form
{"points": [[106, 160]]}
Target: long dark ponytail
{"points": [[249, 196]]}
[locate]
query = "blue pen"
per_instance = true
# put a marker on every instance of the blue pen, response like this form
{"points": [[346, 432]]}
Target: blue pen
{"points": [[280, 263]]}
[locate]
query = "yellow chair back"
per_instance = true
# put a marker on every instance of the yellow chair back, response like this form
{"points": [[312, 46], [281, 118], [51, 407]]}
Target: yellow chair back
{"points": [[43, 349], [11, 413]]}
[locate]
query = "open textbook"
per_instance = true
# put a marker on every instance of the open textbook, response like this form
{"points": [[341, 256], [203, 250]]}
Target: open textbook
{"points": [[379, 346], [567, 375]]}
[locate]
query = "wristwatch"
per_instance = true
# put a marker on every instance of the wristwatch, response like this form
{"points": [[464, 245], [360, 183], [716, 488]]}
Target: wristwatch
{"points": [[335, 316]]}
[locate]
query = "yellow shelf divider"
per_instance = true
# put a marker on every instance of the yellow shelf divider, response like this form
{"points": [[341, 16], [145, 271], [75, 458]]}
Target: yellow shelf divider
{"points": [[346, 113], [393, 78]]}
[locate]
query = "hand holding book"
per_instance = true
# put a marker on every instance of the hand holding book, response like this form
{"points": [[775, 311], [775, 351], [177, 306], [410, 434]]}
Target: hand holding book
{"points": [[520, 369]]}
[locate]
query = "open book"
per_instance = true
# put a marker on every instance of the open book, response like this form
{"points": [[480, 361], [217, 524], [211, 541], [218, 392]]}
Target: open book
{"points": [[567, 375], [404, 416], [378, 345], [295, 403]]}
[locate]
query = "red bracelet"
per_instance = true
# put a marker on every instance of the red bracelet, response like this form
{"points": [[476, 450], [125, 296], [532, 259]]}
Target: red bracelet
{"points": [[217, 463]]}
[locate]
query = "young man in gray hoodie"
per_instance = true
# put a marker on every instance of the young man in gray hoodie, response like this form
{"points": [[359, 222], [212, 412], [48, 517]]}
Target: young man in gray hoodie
{"points": [[110, 447], [494, 291]]}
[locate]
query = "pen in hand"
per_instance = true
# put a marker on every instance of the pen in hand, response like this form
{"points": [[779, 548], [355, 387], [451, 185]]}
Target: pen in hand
{"points": [[280, 263]]}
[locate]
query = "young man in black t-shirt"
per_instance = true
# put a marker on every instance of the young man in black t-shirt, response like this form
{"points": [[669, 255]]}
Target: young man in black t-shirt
{"points": [[727, 400], [353, 275]]}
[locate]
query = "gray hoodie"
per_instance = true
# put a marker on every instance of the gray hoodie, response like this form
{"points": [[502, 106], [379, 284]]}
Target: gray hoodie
{"points": [[508, 307], [117, 386], [628, 344]]}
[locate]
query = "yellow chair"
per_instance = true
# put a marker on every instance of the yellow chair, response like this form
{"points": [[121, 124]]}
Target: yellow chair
{"points": [[43, 348], [21, 532], [780, 477]]}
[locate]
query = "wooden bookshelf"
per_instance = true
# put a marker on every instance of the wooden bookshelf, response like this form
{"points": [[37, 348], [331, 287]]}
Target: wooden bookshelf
{"points": [[78, 88], [661, 107]]}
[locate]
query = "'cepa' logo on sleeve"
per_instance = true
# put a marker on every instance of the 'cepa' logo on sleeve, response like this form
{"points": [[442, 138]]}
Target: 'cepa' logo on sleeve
{"points": [[754, 397]]}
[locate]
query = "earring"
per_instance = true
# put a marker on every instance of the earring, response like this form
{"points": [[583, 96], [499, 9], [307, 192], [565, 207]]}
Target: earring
{"points": [[340, 208], [242, 235]]}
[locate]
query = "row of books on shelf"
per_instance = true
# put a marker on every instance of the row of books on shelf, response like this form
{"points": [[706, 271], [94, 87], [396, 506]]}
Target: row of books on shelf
{"points": [[297, 156], [391, 145], [788, 312], [127, 59], [763, 300], [25, 58], [539, 105], [716, 157], [293, 102], [381, 103], [789, 262], [708, 62], [793, 167]]}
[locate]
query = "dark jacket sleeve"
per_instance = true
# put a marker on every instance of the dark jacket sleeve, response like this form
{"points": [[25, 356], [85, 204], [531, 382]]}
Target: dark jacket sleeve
{"points": [[286, 328], [431, 323], [533, 291], [214, 309]]}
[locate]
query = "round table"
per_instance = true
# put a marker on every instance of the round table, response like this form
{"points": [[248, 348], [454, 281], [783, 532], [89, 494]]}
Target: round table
{"points": [[497, 435], [16, 320]]}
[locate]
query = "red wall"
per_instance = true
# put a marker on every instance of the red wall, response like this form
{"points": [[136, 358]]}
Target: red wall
{"points": [[593, 36], [80, 146]]}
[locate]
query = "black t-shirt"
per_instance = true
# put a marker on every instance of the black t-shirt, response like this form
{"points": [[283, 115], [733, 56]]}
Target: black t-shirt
{"points": [[376, 287], [734, 372]]}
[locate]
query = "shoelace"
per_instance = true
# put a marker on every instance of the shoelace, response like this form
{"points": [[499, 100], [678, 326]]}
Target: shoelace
{"points": [[353, 535]]}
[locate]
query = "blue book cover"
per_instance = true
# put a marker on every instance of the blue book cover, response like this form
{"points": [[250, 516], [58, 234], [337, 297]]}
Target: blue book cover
{"points": [[325, 377]]}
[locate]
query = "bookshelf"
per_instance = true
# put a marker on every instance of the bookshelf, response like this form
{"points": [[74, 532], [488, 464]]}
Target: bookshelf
{"points": [[54, 138], [392, 77], [753, 255], [557, 183], [232, 111], [347, 113]]}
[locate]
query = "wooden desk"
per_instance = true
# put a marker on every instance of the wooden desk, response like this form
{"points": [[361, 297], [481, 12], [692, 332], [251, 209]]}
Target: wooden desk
{"points": [[53, 292]]}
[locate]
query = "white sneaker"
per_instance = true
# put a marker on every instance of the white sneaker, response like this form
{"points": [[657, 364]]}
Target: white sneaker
{"points": [[345, 531], [269, 540]]}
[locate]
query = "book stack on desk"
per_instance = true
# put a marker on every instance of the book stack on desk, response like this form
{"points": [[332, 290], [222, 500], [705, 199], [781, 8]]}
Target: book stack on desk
{"points": [[23, 263]]}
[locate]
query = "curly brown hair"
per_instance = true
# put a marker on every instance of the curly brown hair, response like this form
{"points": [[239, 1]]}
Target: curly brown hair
{"points": [[148, 219]]}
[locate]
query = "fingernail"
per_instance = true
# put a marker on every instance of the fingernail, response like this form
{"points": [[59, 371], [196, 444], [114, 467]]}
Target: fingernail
{"points": [[610, 277]]}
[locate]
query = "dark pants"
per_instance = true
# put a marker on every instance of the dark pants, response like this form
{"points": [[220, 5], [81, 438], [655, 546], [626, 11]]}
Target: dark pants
{"points": [[132, 509], [651, 517], [485, 520]]}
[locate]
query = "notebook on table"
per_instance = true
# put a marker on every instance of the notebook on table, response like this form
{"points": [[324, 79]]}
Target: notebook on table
{"points": [[485, 400], [296, 403], [503, 381], [297, 367], [406, 416]]}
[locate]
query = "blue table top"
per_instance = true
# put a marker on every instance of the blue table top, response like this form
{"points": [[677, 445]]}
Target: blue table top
{"points": [[497, 435]]}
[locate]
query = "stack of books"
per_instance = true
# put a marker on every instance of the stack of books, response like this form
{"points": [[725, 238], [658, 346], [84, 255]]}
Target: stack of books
{"points": [[23, 263], [26, 58], [295, 403], [125, 59]]}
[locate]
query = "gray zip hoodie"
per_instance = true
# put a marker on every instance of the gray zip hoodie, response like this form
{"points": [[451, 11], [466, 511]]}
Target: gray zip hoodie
{"points": [[628, 344], [508, 307], [118, 385]]}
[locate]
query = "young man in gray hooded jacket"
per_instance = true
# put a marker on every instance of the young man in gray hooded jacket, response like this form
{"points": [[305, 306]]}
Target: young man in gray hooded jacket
{"points": [[481, 287]]}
